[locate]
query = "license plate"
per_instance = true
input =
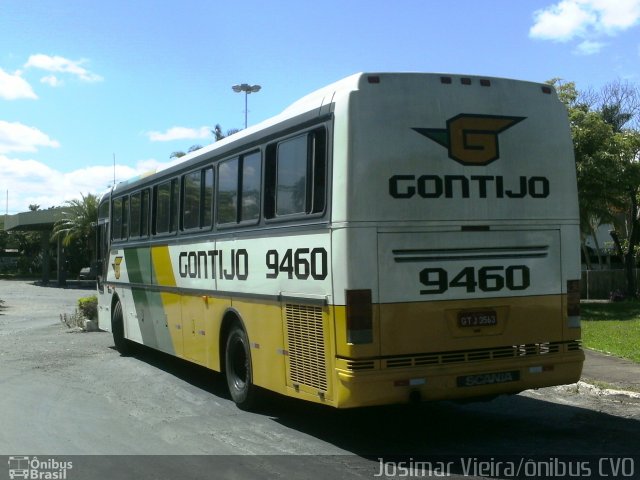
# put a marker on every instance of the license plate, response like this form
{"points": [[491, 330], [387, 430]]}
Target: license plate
{"points": [[488, 378], [486, 318]]}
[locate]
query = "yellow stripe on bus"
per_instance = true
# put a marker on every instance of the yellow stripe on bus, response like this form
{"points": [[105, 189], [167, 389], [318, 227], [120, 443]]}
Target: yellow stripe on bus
{"points": [[162, 266], [163, 275]]}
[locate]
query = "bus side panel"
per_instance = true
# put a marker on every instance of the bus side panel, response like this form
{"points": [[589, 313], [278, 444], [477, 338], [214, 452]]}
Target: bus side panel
{"points": [[287, 328], [167, 310], [195, 310], [104, 308], [263, 323]]}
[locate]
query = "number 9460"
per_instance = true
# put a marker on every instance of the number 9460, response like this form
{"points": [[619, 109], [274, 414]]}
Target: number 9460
{"points": [[485, 279]]}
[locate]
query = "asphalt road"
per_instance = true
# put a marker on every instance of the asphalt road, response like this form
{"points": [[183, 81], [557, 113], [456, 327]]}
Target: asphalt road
{"points": [[68, 393]]}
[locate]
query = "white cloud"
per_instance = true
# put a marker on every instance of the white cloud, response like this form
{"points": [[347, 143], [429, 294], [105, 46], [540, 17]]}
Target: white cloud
{"points": [[33, 182], [62, 65], [52, 81], [589, 48], [617, 15], [562, 21], [17, 137], [180, 133], [586, 20], [13, 86]]}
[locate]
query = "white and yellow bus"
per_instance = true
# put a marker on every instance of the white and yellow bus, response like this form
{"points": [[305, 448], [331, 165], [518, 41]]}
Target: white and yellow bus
{"points": [[388, 238]]}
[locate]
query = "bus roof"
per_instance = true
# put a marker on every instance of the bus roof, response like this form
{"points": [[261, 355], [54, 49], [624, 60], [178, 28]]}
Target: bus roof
{"points": [[323, 97]]}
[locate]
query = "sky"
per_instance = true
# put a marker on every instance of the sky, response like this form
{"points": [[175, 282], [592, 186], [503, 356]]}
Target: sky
{"points": [[85, 84]]}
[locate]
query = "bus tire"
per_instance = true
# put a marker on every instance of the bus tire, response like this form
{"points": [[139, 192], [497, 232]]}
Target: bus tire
{"points": [[123, 346], [238, 369]]}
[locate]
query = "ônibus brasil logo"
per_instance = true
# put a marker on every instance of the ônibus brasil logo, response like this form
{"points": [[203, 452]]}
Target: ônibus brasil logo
{"points": [[22, 466], [471, 139]]}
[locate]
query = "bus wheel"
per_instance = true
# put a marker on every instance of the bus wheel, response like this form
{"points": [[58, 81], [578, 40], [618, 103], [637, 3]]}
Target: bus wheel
{"points": [[238, 369], [124, 346]]}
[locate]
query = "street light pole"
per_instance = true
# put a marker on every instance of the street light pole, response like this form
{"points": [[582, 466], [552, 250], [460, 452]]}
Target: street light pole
{"points": [[247, 89]]}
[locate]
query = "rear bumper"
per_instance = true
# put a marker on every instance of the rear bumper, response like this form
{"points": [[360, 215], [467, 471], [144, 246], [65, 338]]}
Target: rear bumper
{"points": [[447, 382]]}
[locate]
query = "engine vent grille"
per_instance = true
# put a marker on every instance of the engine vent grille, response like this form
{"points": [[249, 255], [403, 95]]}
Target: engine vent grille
{"points": [[536, 349], [305, 333], [360, 365]]}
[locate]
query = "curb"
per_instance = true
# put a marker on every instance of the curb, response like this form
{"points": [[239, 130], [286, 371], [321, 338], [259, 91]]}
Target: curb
{"points": [[584, 387]]}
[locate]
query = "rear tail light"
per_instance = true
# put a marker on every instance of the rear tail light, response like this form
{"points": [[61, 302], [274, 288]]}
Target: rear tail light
{"points": [[359, 316], [573, 303]]}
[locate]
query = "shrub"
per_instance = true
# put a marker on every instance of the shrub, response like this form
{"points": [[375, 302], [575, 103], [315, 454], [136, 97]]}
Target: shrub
{"points": [[88, 307], [75, 320]]}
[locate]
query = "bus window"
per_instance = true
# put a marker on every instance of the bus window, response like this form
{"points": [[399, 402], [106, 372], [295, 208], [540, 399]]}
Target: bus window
{"points": [[251, 181], [125, 218], [166, 206], [103, 210], [135, 214], [197, 203], [291, 176], [319, 168], [228, 191], [139, 209], [207, 197], [296, 175], [191, 200], [174, 206], [116, 224], [144, 213], [120, 209]]}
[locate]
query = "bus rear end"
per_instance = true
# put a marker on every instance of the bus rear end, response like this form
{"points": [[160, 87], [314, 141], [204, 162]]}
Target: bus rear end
{"points": [[455, 241]]}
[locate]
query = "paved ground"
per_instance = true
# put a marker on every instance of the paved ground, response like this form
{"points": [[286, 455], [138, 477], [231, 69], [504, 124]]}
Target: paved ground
{"points": [[65, 393], [599, 368], [606, 369]]}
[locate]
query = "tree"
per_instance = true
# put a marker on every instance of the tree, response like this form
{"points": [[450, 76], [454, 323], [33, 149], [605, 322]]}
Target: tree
{"points": [[619, 106], [619, 103], [180, 153], [30, 250], [626, 233], [594, 165], [217, 134], [77, 227], [607, 151]]}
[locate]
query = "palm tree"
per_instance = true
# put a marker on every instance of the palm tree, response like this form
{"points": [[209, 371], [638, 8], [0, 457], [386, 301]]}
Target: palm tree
{"points": [[216, 132], [78, 223]]}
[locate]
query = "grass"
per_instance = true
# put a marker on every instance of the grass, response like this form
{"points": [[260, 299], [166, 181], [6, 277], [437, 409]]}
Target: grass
{"points": [[612, 328]]}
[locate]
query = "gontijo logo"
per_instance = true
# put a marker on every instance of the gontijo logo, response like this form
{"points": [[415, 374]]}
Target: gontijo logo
{"points": [[471, 139], [116, 267]]}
